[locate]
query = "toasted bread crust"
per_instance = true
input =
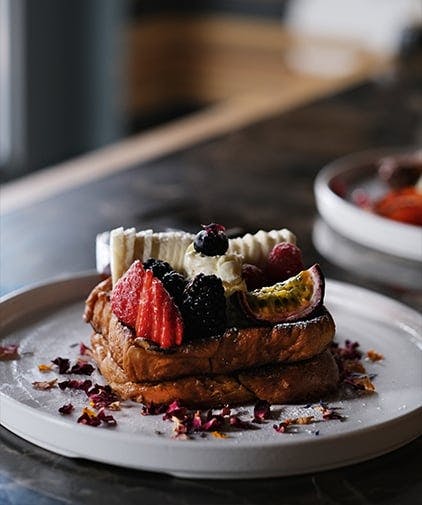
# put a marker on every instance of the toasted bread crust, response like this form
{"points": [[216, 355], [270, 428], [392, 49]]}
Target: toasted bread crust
{"points": [[280, 383], [235, 350]]}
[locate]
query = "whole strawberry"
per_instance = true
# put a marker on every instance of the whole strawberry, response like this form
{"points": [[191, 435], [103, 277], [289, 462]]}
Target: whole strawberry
{"points": [[284, 261]]}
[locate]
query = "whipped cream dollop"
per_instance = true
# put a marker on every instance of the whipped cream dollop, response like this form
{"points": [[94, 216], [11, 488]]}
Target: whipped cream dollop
{"points": [[228, 267]]}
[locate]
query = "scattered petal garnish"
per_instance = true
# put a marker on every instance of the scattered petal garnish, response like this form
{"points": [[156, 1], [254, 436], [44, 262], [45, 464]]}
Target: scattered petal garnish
{"points": [[304, 420], [213, 423], [352, 367], [44, 385], [45, 368], [349, 351], [84, 350], [374, 355], [281, 427], [329, 413], [9, 352], [361, 383], [236, 422], [101, 396], [352, 371], [81, 367], [89, 418], [62, 363], [176, 410], [261, 411], [218, 434], [153, 409], [84, 385], [107, 419], [66, 409]]}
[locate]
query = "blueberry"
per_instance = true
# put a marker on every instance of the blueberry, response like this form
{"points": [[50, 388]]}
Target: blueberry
{"points": [[212, 240]]}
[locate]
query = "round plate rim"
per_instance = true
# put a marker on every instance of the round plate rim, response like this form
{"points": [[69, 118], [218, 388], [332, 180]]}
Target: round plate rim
{"points": [[199, 445]]}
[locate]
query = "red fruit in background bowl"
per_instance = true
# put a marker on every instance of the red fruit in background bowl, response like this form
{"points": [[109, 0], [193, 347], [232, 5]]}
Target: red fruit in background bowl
{"points": [[284, 261], [140, 301]]}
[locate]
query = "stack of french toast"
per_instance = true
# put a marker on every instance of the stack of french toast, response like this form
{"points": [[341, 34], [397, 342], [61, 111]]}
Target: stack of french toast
{"points": [[210, 321]]}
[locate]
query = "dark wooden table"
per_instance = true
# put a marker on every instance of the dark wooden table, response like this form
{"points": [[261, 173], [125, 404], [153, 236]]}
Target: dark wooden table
{"points": [[260, 176]]}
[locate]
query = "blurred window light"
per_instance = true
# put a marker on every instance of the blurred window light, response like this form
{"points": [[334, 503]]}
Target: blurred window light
{"points": [[5, 83], [12, 131], [377, 25]]}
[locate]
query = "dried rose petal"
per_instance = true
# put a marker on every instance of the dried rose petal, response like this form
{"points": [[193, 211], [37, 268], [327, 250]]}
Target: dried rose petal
{"points": [[218, 434], [374, 355], [66, 409], [153, 409], [330, 413], [261, 411], [9, 352], [225, 411], [101, 396], [281, 427], [175, 410], [114, 406], [197, 421], [62, 363], [180, 429], [107, 419], [304, 420], [84, 350], [213, 423], [236, 422], [360, 382], [45, 368], [84, 385], [81, 367], [352, 367], [89, 418], [44, 385]]}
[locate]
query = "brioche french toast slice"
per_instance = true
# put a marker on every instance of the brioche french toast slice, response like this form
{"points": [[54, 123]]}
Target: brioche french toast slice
{"points": [[236, 349], [278, 383]]}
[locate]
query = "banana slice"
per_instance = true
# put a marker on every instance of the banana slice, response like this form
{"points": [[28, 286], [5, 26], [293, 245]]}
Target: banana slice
{"points": [[127, 245], [118, 253], [255, 248]]}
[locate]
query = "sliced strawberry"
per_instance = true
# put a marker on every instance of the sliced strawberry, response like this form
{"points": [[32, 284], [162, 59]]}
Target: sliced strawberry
{"points": [[126, 292], [140, 300], [145, 307], [159, 319]]}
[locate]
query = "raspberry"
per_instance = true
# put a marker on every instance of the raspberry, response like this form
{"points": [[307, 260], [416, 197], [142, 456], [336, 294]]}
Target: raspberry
{"points": [[284, 261], [159, 268], [211, 241], [253, 276], [204, 306]]}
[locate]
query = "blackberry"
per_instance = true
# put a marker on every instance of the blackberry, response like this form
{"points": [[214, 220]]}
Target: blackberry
{"points": [[175, 284], [159, 268], [212, 240], [204, 306]]}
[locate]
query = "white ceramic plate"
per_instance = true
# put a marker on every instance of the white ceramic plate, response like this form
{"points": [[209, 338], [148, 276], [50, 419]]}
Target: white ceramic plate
{"points": [[46, 321], [377, 232]]}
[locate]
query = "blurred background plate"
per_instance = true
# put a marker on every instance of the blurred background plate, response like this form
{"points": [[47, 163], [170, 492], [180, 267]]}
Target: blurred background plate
{"points": [[334, 187]]}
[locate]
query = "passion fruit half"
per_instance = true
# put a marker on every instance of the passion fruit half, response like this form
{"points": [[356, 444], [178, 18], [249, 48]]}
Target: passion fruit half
{"points": [[290, 300]]}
